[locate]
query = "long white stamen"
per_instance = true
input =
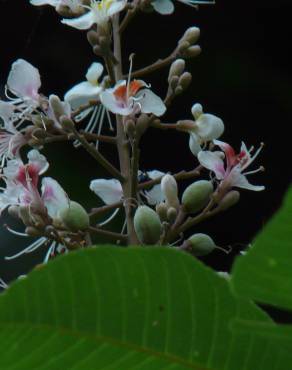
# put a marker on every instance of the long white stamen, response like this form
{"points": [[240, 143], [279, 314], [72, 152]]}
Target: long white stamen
{"points": [[112, 216], [109, 120], [3, 284], [254, 157], [31, 248], [260, 169], [129, 75], [49, 252], [15, 232], [100, 124]]}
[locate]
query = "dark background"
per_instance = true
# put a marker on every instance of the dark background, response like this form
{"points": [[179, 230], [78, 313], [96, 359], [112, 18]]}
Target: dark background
{"points": [[243, 76]]}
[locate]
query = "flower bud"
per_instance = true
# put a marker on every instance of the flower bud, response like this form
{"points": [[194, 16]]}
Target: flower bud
{"points": [[191, 35], [169, 190], [174, 82], [192, 51], [185, 80], [230, 199], [67, 123], [200, 244], [32, 231], [13, 211], [57, 106], [147, 225], [161, 210], [171, 214], [183, 46], [196, 196], [142, 124], [177, 68], [197, 110], [130, 128], [92, 37], [74, 217]]}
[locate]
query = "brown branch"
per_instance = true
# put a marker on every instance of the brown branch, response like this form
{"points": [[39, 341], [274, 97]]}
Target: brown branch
{"points": [[108, 234], [101, 210]]}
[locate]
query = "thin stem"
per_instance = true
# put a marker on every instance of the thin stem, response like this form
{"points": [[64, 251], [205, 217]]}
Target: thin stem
{"points": [[129, 16], [135, 168], [104, 209], [87, 135], [164, 126], [182, 175], [108, 234], [122, 142], [97, 156], [160, 63]]}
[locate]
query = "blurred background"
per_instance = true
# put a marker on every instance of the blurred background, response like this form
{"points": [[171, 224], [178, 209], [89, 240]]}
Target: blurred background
{"points": [[243, 76]]}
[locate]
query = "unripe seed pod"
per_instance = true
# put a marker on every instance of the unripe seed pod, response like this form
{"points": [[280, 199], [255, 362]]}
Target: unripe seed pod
{"points": [[193, 51], [185, 80], [196, 196], [74, 217], [230, 199], [142, 124], [176, 69], [171, 214], [191, 35], [147, 225], [169, 190], [201, 244], [161, 210]]}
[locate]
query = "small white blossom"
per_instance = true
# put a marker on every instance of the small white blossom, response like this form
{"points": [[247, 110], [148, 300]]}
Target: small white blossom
{"points": [[74, 5], [99, 13], [165, 7], [132, 98]]}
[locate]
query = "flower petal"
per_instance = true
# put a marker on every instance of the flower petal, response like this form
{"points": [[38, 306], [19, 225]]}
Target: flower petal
{"points": [[163, 7], [150, 102], [194, 144], [209, 127], [109, 101], [240, 181], [116, 6], [110, 191], [6, 113], [38, 160], [94, 72], [212, 162], [45, 2], [53, 196], [82, 93], [24, 80], [81, 23]]}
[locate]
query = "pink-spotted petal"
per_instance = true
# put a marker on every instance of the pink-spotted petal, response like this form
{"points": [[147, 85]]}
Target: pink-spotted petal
{"points": [[212, 162], [38, 160], [54, 197], [24, 80]]}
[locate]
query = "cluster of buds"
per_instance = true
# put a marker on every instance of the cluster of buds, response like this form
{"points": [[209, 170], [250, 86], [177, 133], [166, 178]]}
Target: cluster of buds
{"points": [[155, 209]]}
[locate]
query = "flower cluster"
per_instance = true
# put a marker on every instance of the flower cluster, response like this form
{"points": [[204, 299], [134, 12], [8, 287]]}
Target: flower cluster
{"points": [[154, 210]]}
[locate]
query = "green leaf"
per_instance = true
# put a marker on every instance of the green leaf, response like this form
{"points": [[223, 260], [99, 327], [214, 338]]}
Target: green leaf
{"points": [[264, 274], [112, 308]]}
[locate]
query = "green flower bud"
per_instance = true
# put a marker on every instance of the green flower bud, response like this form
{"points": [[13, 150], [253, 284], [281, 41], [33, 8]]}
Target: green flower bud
{"points": [[147, 225], [200, 244], [74, 217], [161, 210], [196, 196], [171, 214]]}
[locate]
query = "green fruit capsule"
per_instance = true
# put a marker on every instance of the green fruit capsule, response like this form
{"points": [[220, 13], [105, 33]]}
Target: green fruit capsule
{"points": [[147, 225], [201, 244], [74, 217], [196, 196]]}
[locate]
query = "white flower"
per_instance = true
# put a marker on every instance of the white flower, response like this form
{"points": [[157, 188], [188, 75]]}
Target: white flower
{"points": [[205, 128], [230, 174], [74, 5], [170, 190], [99, 13], [87, 90], [24, 82], [11, 140], [131, 98], [155, 195], [165, 7]]}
